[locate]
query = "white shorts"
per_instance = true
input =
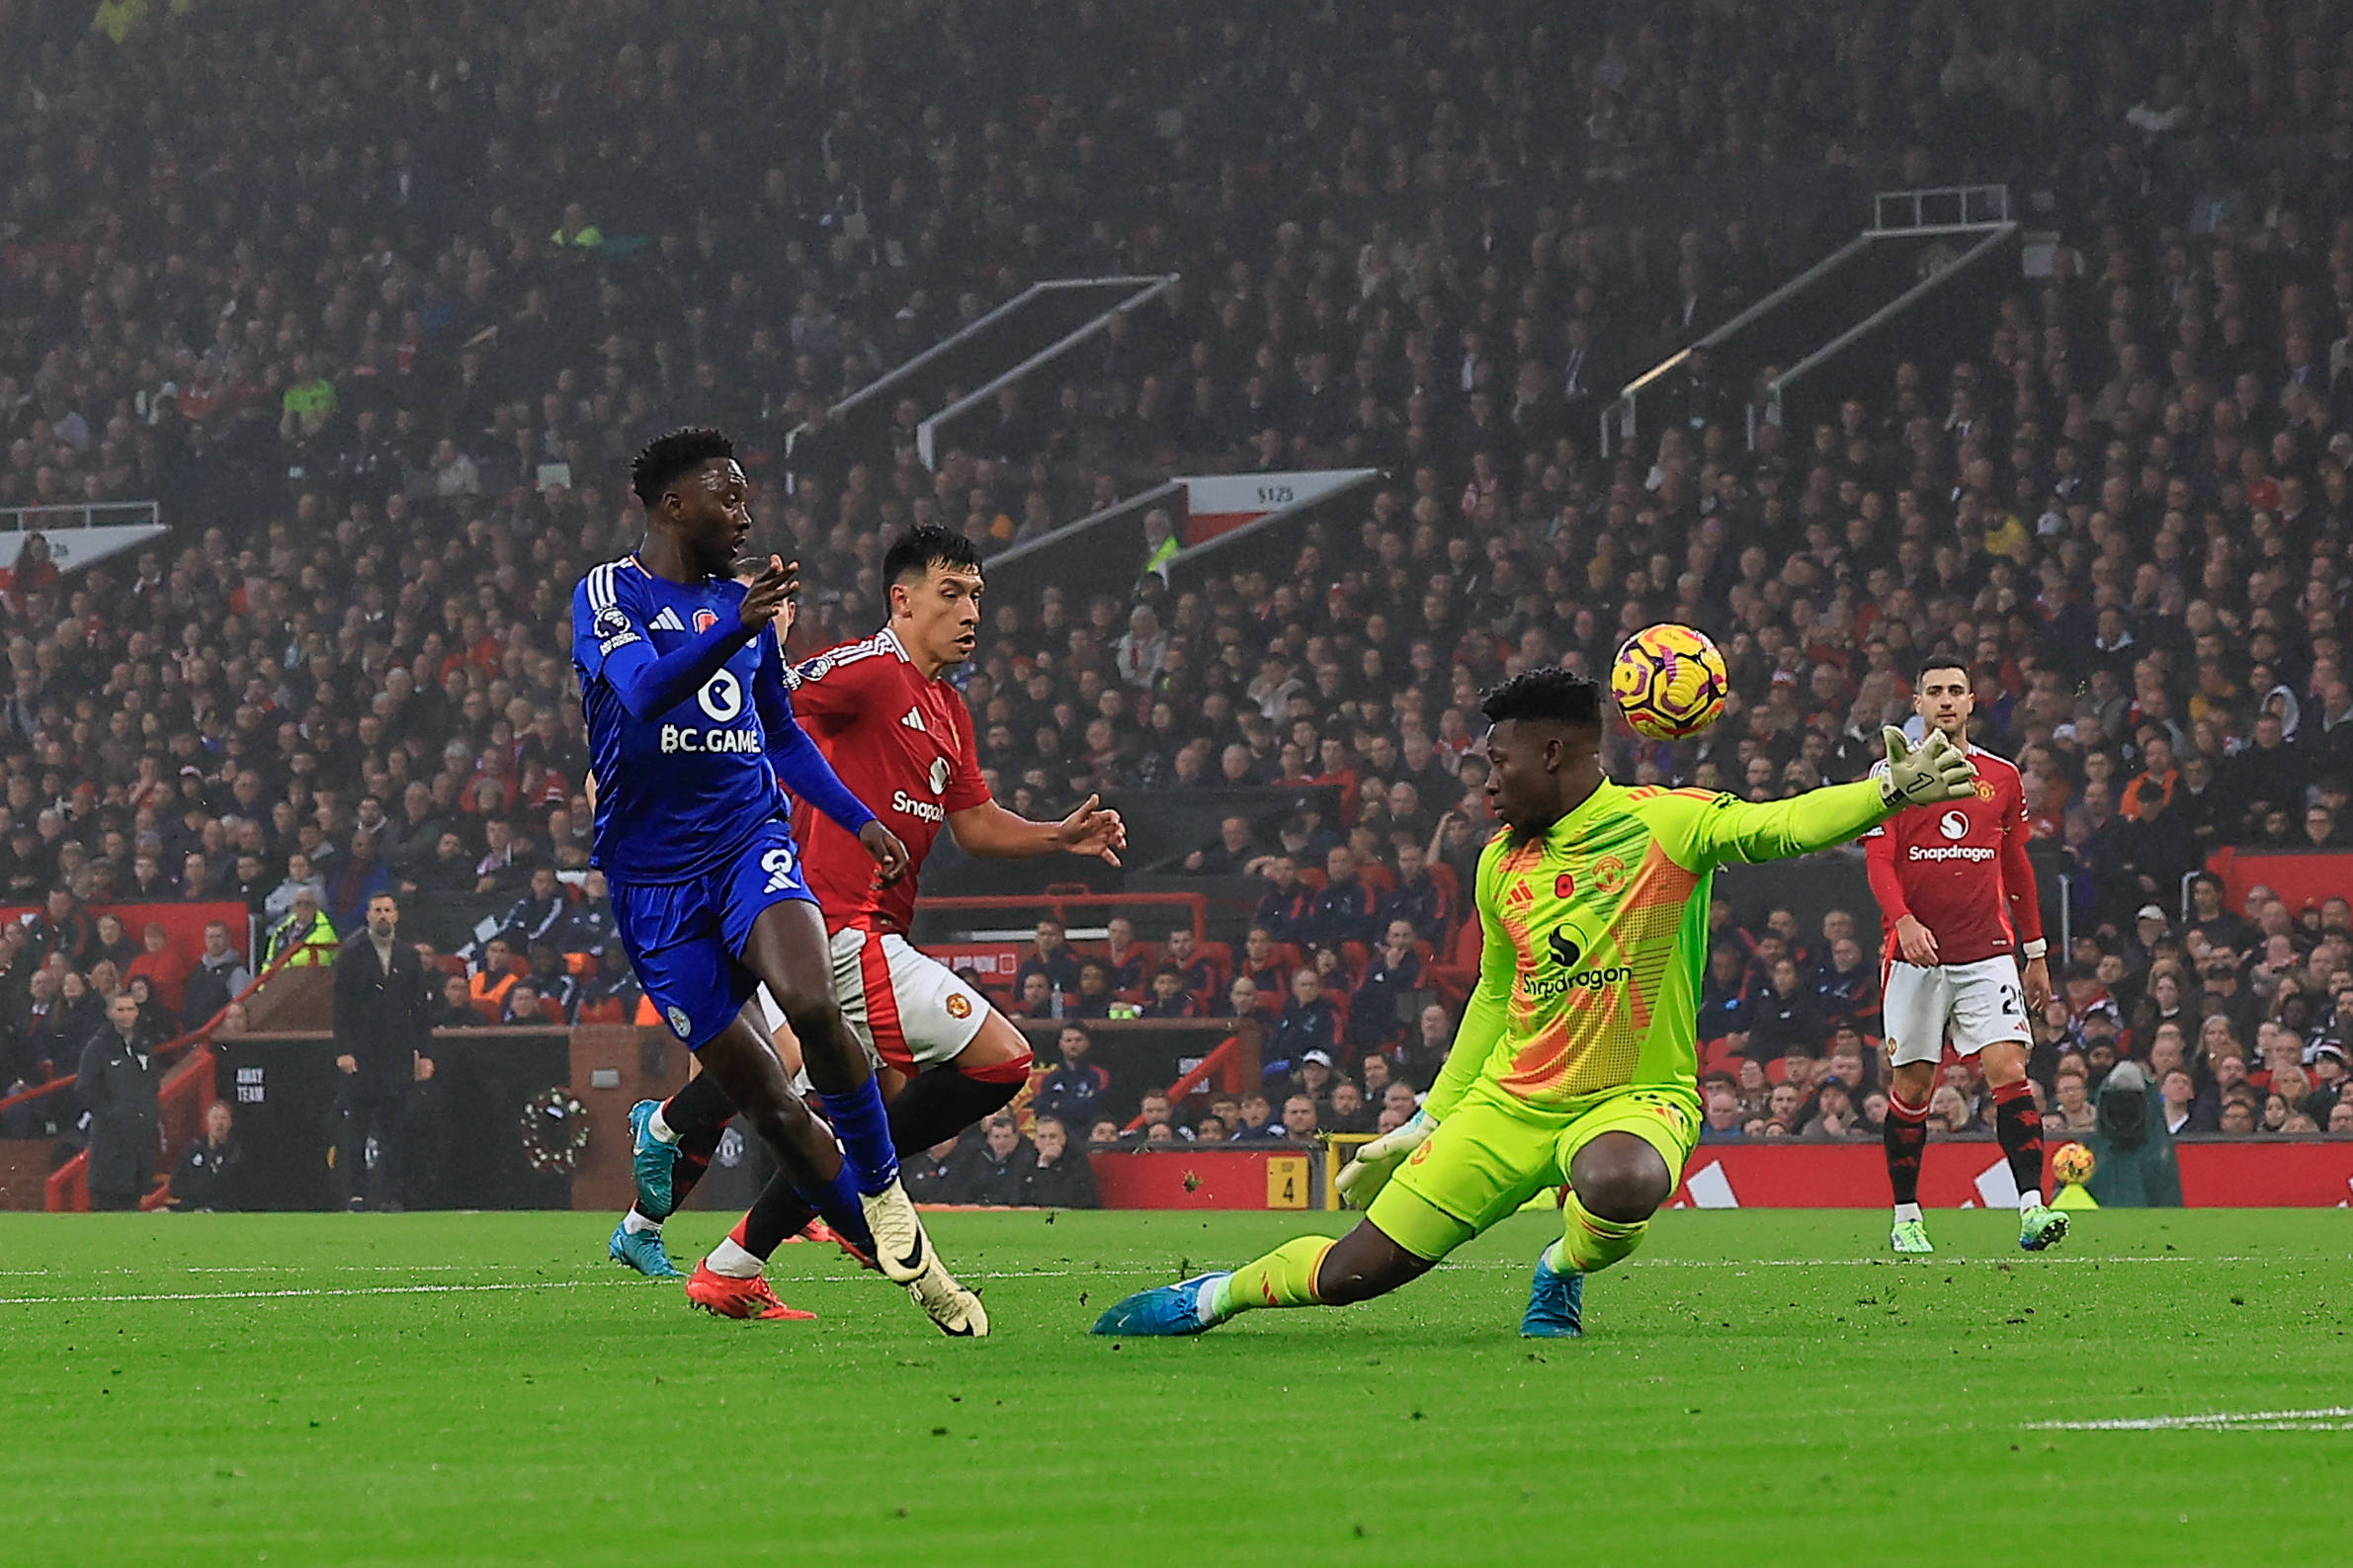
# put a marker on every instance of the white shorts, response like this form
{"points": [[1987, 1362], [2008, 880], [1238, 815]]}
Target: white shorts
{"points": [[1976, 1004], [909, 1009]]}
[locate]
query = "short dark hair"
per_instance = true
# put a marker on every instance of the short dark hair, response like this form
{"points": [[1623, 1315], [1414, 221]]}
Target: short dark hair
{"points": [[1940, 661], [924, 546], [668, 457], [1550, 695]]}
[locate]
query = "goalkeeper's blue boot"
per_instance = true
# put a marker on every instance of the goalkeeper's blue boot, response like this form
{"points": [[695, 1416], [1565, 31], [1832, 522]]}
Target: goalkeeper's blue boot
{"points": [[652, 1161], [1555, 1302], [1164, 1312], [642, 1251]]}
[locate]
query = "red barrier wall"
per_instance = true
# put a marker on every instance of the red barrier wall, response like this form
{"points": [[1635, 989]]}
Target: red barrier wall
{"points": [[1189, 1177], [185, 922], [1854, 1176], [2294, 877]]}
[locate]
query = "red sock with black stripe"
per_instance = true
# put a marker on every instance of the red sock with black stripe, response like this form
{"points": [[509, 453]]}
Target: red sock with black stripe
{"points": [[1905, 1135], [2019, 1126]]}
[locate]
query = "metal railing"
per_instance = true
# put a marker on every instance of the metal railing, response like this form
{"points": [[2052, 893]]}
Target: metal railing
{"points": [[906, 370], [927, 433], [1992, 239], [80, 515], [1625, 409], [1168, 492], [1928, 211], [1940, 209]]}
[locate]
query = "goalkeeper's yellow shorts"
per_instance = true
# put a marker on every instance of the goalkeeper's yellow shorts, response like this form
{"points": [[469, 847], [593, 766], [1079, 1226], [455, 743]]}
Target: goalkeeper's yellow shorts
{"points": [[1496, 1151]]}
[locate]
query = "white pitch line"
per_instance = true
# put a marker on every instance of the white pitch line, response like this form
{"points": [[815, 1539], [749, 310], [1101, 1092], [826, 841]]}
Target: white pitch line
{"points": [[2076, 1259], [2330, 1418], [304, 1268], [1129, 1266], [1133, 1266], [271, 1296]]}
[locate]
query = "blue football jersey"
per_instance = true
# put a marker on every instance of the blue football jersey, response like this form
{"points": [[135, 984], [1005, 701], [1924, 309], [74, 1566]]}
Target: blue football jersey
{"points": [[679, 790]]}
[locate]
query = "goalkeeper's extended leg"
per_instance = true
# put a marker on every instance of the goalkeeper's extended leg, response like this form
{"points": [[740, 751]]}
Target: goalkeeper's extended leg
{"points": [[1308, 1271], [1617, 1180]]}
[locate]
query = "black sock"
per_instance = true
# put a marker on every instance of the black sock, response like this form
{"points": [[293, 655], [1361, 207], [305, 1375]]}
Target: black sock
{"points": [[687, 1172], [1905, 1134], [779, 1211], [940, 1104], [2019, 1126], [702, 1105]]}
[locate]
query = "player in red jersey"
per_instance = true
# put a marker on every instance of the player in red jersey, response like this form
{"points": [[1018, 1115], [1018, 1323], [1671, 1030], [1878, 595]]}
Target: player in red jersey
{"points": [[1956, 902], [892, 728]]}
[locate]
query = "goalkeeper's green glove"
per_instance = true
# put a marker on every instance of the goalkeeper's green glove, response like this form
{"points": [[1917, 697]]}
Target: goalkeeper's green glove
{"points": [[1378, 1160], [1938, 771]]}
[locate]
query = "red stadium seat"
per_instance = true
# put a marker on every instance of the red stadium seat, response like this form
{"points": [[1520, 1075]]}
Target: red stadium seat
{"points": [[1718, 1057]]}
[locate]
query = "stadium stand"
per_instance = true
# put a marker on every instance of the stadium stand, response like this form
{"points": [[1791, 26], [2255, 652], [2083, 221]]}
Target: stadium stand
{"points": [[379, 322]]}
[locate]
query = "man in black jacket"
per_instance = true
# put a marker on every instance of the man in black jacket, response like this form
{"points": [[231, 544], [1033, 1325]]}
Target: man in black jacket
{"points": [[383, 1030], [117, 1084], [1061, 1178], [994, 1174], [218, 977]]}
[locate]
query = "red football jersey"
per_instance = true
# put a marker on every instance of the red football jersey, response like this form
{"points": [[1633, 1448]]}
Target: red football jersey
{"points": [[1960, 868], [904, 744]]}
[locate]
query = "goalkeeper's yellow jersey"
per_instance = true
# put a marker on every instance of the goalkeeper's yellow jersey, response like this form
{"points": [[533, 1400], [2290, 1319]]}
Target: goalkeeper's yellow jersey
{"points": [[1595, 937]]}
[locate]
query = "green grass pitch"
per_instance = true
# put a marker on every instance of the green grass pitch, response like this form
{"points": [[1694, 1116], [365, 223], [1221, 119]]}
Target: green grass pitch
{"points": [[1754, 1387]]}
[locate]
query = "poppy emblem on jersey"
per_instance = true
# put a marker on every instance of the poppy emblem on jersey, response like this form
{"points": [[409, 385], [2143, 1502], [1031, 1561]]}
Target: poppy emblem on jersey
{"points": [[680, 1025], [705, 619], [1609, 874], [939, 774], [1564, 886], [1953, 825], [958, 1005]]}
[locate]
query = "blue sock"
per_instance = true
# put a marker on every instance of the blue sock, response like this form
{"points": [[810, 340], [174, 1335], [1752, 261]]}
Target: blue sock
{"points": [[863, 1127], [842, 1211]]}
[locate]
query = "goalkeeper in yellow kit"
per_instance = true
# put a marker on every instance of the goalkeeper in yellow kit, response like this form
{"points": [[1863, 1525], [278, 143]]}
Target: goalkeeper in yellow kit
{"points": [[1576, 1061]]}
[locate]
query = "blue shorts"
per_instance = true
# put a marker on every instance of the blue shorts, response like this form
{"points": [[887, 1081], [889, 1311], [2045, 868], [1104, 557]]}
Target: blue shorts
{"points": [[683, 937]]}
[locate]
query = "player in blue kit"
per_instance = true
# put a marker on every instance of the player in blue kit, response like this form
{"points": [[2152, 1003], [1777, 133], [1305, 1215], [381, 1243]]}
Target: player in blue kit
{"points": [[689, 731]]}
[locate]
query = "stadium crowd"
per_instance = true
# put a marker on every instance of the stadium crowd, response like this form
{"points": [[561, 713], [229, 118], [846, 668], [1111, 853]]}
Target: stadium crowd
{"points": [[380, 322]]}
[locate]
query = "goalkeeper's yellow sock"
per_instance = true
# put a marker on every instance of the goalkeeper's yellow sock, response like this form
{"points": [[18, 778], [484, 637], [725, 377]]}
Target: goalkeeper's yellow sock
{"points": [[1283, 1278], [1589, 1243]]}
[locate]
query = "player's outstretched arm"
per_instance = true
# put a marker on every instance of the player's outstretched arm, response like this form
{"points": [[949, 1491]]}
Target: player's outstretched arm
{"points": [[1712, 830], [989, 831]]}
